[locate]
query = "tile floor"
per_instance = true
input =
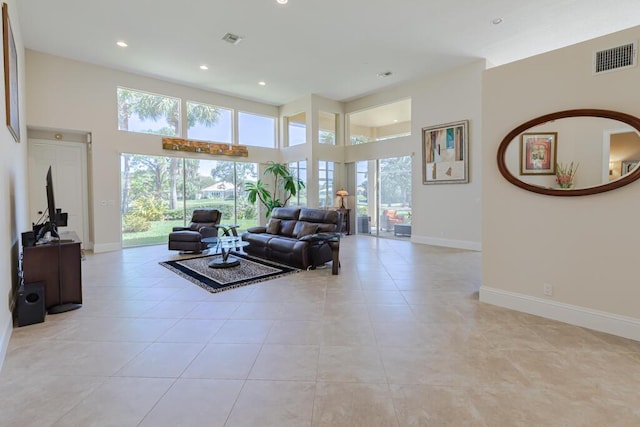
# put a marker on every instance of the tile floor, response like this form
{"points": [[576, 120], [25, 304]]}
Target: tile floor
{"points": [[397, 339]]}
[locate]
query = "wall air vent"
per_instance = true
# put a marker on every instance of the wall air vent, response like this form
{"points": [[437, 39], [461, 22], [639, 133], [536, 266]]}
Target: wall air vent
{"points": [[616, 58], [232, 38]]}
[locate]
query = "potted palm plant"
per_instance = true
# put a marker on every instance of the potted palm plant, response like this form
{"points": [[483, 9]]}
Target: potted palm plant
{"points": [[285, 186]]}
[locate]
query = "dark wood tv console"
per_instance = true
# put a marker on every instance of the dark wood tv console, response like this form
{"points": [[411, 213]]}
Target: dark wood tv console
{"points": [[57, 264]]}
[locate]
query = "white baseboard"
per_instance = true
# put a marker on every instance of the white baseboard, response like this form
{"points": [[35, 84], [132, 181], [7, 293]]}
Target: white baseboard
{"points": [[447, 243], [623, 326], [106, 247], [5, 335]]}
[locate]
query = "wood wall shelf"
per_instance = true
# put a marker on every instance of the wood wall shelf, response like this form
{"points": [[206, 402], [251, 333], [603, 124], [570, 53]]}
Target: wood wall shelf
{"points": [[179, 144]]}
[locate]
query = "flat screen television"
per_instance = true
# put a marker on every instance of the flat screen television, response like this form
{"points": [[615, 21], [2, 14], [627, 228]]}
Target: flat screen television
{"points": [[51, 205], [56, 217]]}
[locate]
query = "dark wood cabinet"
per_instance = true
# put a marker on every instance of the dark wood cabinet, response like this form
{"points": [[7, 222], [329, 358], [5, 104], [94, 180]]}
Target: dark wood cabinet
{"points": [[58, 266]]}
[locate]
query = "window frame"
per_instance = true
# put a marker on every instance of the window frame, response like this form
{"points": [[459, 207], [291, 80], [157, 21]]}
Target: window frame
{"points": [[232, 137]]}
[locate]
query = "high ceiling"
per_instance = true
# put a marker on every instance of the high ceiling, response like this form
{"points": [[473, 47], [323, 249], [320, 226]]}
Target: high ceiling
{"points": [[333, 48]]}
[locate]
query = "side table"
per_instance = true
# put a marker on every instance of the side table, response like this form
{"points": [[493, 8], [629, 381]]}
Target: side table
{"points": [[333, 240], [345, 220], [402, 230]]}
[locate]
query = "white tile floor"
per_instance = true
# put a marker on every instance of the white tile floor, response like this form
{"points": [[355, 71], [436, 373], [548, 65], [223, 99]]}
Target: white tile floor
{"points": [[397, 339]]}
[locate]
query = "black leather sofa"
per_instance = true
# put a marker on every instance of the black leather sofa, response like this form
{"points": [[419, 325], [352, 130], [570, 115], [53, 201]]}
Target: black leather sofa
{"points": [[287, 237]]}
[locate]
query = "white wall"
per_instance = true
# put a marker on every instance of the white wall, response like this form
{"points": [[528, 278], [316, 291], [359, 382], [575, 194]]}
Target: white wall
{"points": [[66, 94], [586, 247], [443, 214], [14, 217], [71, 95]]}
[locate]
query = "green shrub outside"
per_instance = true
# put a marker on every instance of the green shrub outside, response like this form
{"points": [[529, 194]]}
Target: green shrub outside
{"points": [[151, 208], [133, 223], [157, 231]]}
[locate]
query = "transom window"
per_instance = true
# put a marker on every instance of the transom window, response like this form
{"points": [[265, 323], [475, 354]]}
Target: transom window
{"points": [[296, 129], [380, 123], [327, 128], [209, 123], [256, 130], [145, 112]]}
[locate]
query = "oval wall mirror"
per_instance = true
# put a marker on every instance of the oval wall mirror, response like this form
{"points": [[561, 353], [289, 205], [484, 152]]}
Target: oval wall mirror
{"points": [[600, 150]]}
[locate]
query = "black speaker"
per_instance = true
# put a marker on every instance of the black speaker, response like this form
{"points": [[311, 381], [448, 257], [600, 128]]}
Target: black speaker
{"points": [[28, 239], [30, 305]]}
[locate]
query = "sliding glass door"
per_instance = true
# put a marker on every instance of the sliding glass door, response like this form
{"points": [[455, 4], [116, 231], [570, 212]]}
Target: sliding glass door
{"points": [[159, 193], [394, 209], [383, 197]]}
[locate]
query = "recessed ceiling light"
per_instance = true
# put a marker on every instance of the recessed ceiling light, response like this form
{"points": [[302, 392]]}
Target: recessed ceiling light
{"points": [[282, 1], [122, 43], [262, 83], [496, 21], [204, 67]]}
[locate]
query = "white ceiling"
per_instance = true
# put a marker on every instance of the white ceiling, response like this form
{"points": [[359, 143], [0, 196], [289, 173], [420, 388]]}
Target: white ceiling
{"points": [[333, 48]]}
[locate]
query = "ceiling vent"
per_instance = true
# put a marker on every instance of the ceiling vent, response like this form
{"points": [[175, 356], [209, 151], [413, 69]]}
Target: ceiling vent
{"points": [[616, 58], [232, 38]]}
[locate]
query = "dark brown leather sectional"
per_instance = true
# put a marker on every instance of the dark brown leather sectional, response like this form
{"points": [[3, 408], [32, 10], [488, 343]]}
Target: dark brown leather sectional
{"points": [[287, 237], [204, 223]]}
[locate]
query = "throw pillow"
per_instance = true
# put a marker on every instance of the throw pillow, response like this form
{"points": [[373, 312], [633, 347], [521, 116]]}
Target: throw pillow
{"points": [[307, 229], [287, 226], [273, 226]]}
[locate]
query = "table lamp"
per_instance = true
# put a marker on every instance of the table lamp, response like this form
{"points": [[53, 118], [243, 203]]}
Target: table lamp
{"points": [[342, 193]]}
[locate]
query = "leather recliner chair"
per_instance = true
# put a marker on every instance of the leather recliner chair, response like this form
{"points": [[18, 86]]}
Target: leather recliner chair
{"points": [[204, 223]]}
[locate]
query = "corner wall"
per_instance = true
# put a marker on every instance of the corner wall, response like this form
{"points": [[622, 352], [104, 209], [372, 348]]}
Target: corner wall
{"points": [[586, 247], [14, 218]]}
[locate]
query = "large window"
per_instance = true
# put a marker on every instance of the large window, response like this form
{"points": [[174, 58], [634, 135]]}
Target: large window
{"points": [[326, 191], [380, 123], [299, 170], [148, 113], [259, 131], [151, 197], [159, 193], [161, 115], [209, 123]]}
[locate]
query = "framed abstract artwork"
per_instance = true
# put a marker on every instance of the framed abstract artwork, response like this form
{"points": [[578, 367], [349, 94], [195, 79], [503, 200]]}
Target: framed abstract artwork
{"points": [[538, 153], [445, 152], [10, 75]]}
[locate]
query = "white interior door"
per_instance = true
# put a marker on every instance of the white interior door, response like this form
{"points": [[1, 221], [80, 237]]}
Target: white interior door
{"points": [[68, 161]]}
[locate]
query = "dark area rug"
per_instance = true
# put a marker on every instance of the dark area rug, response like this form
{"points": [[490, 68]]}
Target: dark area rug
{"points": [[251, 270]]}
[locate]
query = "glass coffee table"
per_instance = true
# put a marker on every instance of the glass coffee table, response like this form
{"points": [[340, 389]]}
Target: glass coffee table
{"points": [[226, 244]]}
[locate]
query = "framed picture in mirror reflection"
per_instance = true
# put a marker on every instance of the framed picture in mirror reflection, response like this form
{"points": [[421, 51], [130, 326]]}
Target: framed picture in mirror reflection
{"points": [[628, 166], [538, 153]]}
